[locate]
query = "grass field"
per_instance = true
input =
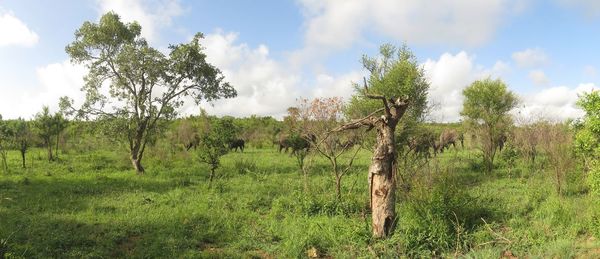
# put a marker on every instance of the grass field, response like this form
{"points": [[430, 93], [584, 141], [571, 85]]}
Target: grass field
{"points": [[92, 205]]}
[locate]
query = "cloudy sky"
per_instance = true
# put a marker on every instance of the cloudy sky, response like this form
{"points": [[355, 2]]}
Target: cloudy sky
{"points": [[276, 51]]}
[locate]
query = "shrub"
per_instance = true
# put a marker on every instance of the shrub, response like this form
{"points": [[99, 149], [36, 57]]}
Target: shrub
{"points": [[593, 180], [438, 218]]}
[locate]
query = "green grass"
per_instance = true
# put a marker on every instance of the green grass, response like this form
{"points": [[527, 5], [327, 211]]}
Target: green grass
{"points": [[92, 205]]}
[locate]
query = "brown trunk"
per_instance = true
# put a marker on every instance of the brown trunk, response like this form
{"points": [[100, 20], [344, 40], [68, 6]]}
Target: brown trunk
{"points": [[338, 187], [50, 156], [137, 164], [23, 157], [57, 141], [212, 175], [382, 171], [382, 186]]}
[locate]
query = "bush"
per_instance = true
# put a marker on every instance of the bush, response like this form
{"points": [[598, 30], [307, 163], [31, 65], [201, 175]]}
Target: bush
{"points": [[437, 218], [593, 180]]}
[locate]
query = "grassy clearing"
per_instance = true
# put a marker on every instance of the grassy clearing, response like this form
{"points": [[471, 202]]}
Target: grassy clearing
{"points": [[93, 206]]}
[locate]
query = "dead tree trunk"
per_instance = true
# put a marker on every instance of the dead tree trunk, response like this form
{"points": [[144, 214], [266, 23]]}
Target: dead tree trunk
{"points": [[382, 184]]}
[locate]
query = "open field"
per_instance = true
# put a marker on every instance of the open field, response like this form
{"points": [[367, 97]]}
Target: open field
{"points": [[92, 205]]}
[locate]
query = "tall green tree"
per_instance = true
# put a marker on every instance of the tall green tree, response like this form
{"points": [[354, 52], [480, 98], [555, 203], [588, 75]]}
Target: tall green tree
{"points": [[45, 129], [486, 111], [587, 138], [59, 123], [396, 87], [145, 86], [4, 143], [22, 137]]}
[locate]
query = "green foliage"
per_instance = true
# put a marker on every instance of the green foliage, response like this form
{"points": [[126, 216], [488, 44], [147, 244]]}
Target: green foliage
{"points": [[485, 109], [593, 180], [488, 101], [214, 142], [587, 139], [395, 73], [5, 133], [438, 217], [48, 128], [146, 86], [259, 209]]}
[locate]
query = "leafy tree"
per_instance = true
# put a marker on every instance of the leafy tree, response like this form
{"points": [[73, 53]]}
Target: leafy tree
{"points": [[22, 137], [396, 86], [486, 106], [59, 124], [4, 143], [587, 138], [145, 86], [214, 141], [45, 128]]}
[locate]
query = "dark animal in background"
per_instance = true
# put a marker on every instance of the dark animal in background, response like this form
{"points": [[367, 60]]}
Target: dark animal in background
{"points": [[420, 144], [437, 147], [500, 141], [296, 142], [237, 143], [284, 143], [192, 144], [447, 138]]}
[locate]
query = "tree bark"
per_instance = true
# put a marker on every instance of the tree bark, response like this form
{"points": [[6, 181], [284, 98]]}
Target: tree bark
{"points": [[50, 156], [212, 175], [57, 141], [137, 147], [137, 164], [136, 160], [23, 157], [338, 187], [382, 184]]}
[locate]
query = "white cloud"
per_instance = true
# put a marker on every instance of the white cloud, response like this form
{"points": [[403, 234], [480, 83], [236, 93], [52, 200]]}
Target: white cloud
{"points": [[334, 24], [55, 80], [589, 7], [264, 86], [14, 32], [556, 103], [152, 15], [448, 76], [530, 58], [336, 86], [538, 77]]}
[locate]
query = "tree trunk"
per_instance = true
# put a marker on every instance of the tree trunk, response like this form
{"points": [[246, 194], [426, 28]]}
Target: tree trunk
{"points": [[57, 140], [50, 156], [382, 184], [4, 162], [212, 175], [23, 157], [338, 178], [137, 163]]}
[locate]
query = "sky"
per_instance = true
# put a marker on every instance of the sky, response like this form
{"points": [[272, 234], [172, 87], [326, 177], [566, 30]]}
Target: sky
{"points": [[274, 52]]}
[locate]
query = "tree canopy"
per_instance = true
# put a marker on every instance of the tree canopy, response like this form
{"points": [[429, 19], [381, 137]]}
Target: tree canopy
{"points": [[486, 110], [136, 85]]}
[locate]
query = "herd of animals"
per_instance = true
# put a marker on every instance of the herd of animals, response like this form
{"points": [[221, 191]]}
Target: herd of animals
{"points": [[424, 144]]}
